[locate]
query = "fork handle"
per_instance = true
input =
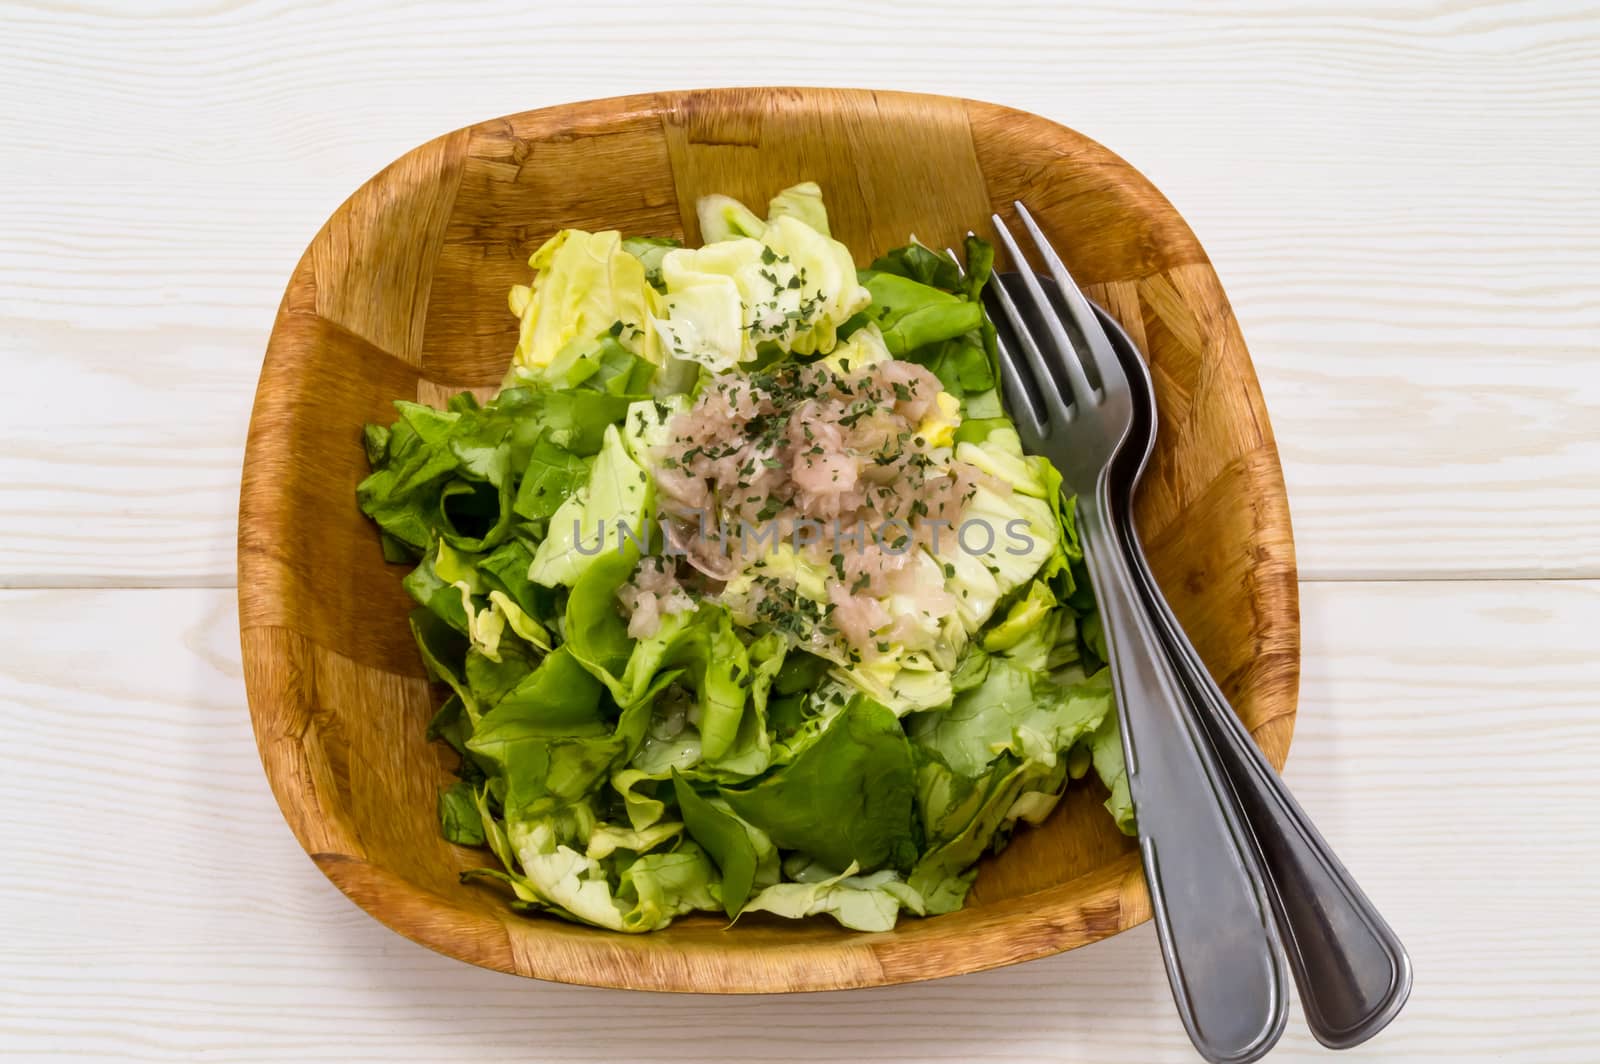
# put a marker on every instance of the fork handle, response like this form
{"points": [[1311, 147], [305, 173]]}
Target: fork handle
{"points": [[1352, 971], [1221, 948]]}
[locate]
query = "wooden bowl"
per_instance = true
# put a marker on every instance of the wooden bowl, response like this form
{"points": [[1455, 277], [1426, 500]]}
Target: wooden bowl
{"points": [[402, 295]]}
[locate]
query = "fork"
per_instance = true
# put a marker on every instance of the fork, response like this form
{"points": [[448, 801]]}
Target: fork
{"points": [[1352, 971], [1221, 948]]}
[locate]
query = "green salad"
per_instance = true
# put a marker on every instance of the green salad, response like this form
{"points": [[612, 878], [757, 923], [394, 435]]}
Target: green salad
{"points": [[744, 593]]}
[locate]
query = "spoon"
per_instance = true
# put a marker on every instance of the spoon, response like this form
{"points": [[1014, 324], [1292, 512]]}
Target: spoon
{"points": [[1352, 972]]}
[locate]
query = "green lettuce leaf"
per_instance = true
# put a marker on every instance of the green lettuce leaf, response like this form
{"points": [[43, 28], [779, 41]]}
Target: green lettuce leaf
{"points": [[453, 472], [547, 740], [962, 818], [489, 678], [1025, 617], [451, 725], [459, 821], [560, 695], [647, 893], [553, 473], [543, 773], [1014, 710], [845, 800], [967, 365], [375, 440], [402, 495], [664, 885], [596, 633], [980, 267], [584, 282], [859, 902], [744, 853], [612, 506], [1106, 748], [913, 315], [636, 788], [697, 649], [962, 366], [649, 250], [606, 839], [578, 420], [802, 202], [923, 265], [725, 218], [505, 569], [444, 652], [715, 665], [441, 597]]}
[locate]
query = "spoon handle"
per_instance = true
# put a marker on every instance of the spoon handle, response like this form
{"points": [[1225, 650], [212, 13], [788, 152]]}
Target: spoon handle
{"points": [[1352, 972], [1212, 909]]}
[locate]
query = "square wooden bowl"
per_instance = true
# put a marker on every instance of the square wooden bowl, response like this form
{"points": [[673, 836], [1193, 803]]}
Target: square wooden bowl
{"points": [[403, 295]]}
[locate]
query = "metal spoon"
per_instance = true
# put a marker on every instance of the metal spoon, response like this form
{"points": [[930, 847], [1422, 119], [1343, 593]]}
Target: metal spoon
{"points": [[1352, 972]]}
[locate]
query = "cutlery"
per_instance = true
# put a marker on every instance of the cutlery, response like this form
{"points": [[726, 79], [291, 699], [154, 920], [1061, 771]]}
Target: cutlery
{"points": [[1352, 972], [1221, 948]]}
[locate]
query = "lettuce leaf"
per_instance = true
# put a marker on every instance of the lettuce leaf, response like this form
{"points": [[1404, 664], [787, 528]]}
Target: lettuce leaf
{"points": [[845, 800], [784, 284], [444, 652], [859, 902], [459, 821], [635, 787], [912, 315], [996, 756], [584, 283], [560, 694], [724, 218], [964, 817], [595, 632], [441, 597], [614, 503], [664, 885], [553, 473], [744, 853], [922, 265], [700, 651], [1013, 711], [649, 891], [1106, 747], [802, 202], [649, 251]]}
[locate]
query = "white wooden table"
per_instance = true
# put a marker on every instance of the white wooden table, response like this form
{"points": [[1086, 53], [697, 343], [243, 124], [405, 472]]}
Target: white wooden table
{"points": [[1402, 200]]}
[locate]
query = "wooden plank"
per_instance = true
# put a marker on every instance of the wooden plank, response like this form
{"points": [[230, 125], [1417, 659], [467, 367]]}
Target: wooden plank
{"points": [[1405, 223], [164, 911]]}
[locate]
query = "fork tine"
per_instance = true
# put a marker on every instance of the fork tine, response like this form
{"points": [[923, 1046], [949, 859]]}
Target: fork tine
{"points": [[1066, 355], [1038, 368], [1106, 364], [1011, 379], [1022, 407]]}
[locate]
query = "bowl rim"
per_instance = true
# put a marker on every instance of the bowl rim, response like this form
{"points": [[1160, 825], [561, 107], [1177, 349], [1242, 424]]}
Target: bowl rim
{"points": [[1097, 904]]}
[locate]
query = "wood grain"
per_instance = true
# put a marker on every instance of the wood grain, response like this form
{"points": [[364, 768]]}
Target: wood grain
{"points": [[334, 687], [1399, 199], [156, 907]]}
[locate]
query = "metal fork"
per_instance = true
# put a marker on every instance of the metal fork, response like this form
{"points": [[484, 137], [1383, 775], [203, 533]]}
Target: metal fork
{"points": [[1223, 955], [1352, 971]]}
